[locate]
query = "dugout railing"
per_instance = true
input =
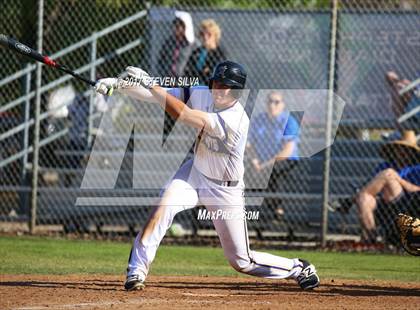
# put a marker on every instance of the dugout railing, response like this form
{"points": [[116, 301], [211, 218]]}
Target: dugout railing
{"points": [[17, 137]]}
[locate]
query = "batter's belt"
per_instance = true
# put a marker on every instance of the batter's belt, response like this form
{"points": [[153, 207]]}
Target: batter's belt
{"points": [[223, 183]]}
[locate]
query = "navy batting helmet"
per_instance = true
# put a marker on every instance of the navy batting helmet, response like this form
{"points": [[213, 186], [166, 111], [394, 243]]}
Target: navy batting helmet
{"points": [[229, 73]]}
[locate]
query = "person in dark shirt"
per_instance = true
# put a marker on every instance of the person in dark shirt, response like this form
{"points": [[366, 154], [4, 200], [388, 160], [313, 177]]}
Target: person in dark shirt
{"points": [[176, 50], [174, 55], [204, 58]]}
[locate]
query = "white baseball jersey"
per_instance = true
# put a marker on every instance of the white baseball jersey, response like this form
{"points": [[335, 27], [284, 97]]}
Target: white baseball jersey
{"points": [[219, 152]]}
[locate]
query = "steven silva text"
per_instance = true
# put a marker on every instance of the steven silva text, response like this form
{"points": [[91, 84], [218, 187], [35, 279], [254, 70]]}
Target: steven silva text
{"points": [[166, 81]]}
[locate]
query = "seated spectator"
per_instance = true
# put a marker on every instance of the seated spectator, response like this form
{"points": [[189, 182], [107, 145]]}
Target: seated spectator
{"points": [[397, 178], [406, 102], [177, 49], [273, 136], [204, 58], [273, 142]]}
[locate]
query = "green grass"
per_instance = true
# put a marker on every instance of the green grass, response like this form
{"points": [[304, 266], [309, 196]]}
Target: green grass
{"points": [[34, 255]]}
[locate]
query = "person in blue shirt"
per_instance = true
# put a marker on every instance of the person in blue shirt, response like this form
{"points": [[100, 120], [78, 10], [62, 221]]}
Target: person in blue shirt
{"points": [[397, 178], [274, 135], [273, 140]]}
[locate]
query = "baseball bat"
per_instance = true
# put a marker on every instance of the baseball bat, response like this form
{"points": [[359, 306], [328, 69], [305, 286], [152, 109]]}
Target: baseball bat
{"points": [[31, 53]]}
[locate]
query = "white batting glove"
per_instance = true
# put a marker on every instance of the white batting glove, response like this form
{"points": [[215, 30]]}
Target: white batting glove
{"points": [[139, 76], [106, 86]]}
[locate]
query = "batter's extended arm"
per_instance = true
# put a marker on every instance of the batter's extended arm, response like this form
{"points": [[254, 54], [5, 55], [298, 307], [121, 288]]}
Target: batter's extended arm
{"points": [[141, 86]]}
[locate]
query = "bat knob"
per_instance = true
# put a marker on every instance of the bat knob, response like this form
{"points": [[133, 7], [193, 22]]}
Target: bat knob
{"points": [[104, 88]]}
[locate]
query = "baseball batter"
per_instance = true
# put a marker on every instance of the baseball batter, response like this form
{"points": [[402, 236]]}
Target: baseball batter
{"points": [[213, 178]]}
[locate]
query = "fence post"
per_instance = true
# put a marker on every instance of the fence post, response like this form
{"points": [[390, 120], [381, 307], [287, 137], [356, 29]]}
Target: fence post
{"points": [[35, 160], [25, 177], [329, 120], [93, 50], [27, 117]]}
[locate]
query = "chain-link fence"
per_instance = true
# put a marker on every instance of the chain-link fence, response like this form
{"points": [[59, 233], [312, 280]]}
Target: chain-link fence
{"points": [[103, 161]]}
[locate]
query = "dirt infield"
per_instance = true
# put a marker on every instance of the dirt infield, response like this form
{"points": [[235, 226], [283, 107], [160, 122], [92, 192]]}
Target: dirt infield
{"points": [[105, 292]]}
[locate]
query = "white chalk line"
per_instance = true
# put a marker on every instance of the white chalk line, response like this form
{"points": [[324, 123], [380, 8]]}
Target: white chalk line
{"points": [[82, 305], [225, 295], [135, 301]]}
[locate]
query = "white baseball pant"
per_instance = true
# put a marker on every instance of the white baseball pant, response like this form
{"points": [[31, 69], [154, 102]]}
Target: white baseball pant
{"points": [[188, 188]]}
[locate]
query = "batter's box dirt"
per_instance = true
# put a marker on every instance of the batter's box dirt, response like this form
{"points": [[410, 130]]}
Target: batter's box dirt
{"points": [[38, 292]]}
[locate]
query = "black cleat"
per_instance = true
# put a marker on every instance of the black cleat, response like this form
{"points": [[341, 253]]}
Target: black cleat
{"points": [[307, 279], [134, 283]]}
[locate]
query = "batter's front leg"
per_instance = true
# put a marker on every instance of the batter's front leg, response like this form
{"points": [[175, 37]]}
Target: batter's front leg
{"points": [[178, 196]]}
